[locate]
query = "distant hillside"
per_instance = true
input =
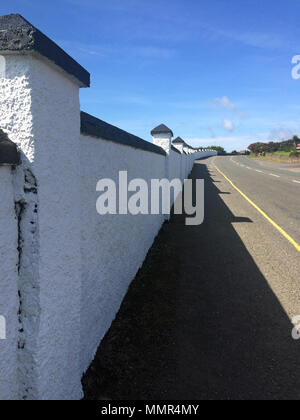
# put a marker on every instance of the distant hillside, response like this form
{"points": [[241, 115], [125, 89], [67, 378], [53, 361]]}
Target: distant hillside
{"points": [[273, 147]]}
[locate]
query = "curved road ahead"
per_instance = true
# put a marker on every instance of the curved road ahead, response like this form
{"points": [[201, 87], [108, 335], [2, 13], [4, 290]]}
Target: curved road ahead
{"points": [[276, 191]]}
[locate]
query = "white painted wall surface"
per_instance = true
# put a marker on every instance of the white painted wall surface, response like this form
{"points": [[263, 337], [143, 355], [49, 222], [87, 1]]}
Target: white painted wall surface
{"points": [[113, 247], [16, 120], [76, 265], [175, 165], [40, 111], [9, 305], [163, 140], [56, 129]]}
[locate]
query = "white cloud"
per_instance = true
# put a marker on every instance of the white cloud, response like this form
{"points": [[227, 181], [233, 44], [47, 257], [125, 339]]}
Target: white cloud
{"points": [[100, 50], [254, 39], [281, 134], [225, 102], [228, 125], [236, 142]]}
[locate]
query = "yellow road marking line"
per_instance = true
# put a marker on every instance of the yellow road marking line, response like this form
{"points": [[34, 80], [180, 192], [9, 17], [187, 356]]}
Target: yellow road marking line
{"points": [[282, 231]]}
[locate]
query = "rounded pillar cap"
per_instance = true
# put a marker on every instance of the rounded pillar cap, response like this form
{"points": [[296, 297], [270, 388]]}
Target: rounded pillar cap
{"points": [[162, 129], [178, 140]]}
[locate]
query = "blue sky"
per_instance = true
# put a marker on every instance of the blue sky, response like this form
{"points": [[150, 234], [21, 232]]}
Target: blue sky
{"points": [[214, 71]]}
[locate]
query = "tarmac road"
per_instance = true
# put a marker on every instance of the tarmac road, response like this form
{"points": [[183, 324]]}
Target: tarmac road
{"points": [[276, 191], [249, 286], [209, 313]]}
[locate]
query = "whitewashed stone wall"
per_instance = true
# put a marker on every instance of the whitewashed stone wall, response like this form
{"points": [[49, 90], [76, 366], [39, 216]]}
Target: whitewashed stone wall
{"points": [[113, 247], [175, 165], [40, 112], [9, 302], [64, 268]]}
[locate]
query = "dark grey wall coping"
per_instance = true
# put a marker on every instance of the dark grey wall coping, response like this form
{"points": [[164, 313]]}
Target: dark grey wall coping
{"points": [[178, 140], [94, 127], [9, 154], [175, 150], [18, 35], [162, 129]]}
